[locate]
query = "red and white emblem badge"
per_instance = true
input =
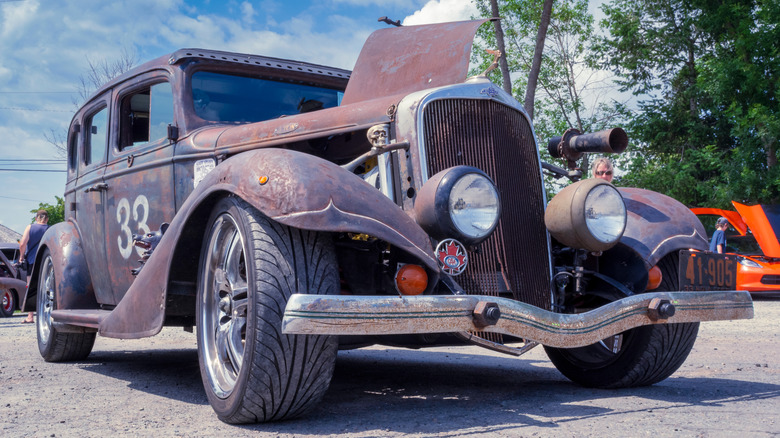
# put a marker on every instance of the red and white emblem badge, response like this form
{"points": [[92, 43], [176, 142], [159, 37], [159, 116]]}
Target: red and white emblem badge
{"points": [[452, 256]]}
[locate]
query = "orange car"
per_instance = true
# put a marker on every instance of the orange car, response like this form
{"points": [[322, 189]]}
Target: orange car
{"points": [[754, 241]]}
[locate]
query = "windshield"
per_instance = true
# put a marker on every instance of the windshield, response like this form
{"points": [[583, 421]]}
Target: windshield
{"points": [[220, 97]]}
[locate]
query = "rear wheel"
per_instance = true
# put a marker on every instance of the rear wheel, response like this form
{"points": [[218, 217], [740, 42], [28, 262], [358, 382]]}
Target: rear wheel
{"points": [[249, 267], [638, 357], [54, 345], [8, 304]]}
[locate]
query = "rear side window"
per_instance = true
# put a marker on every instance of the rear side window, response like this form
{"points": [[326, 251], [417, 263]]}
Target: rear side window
{"points": [[146, 115], [73, 147], [96, 137]]}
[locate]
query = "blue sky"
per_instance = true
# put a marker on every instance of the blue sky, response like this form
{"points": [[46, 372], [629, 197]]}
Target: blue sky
{"points": [[45, 46]]}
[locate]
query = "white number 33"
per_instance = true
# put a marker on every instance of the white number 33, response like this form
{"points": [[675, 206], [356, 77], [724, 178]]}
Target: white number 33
{"points": [[140, 213]]}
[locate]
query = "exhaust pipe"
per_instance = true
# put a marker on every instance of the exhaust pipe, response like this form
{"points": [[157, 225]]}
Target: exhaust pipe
{"points": [[573, 144]]}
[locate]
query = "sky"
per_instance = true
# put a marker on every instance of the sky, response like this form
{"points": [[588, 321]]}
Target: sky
{"points": [[46, 46]]}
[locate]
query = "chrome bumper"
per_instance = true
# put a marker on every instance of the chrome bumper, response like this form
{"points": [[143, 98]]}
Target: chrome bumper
{"points": [[383, 315]]}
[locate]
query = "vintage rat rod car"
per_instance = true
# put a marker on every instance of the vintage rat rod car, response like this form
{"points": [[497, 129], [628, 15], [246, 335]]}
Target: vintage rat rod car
{"points": [[286, 210]]}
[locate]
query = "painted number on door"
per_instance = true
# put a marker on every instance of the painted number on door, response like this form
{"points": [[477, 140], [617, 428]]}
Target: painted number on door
{"points": [[139, 213]]}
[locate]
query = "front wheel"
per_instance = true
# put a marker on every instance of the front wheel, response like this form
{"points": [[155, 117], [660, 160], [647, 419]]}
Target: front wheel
{"points": [[54, 345], [249, 267], [638, 357], [8, 304]]}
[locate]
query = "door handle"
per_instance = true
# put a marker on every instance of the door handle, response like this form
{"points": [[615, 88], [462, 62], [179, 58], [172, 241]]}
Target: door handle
{"points": [[100, 187]]}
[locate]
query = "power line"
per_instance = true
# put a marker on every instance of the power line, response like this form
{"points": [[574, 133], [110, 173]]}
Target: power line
{"points": [[37, 92], [30, 170], [19, 199], [33, 160], [13, 108]]}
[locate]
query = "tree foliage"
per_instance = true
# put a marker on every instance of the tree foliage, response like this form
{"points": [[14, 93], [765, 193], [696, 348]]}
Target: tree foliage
{"points": [[708, 124], [571, 93], [56, 211]]}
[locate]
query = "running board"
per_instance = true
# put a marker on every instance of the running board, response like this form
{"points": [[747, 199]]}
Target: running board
{"points": [[384, 315]]}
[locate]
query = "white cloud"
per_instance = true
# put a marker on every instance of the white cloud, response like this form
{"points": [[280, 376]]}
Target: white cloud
{"points": [[44, 48], [442, 11]]}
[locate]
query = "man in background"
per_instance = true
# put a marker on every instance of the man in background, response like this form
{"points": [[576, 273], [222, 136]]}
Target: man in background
{"points": [[718, 242]]}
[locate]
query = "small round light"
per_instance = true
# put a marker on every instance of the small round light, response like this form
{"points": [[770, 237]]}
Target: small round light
{"points": [[411, 280], [474, 206], [654, 278]]}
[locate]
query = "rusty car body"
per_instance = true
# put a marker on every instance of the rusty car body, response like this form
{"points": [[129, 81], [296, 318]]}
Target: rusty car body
{"points": [[755, 242], [283, 210], [12, 286]]}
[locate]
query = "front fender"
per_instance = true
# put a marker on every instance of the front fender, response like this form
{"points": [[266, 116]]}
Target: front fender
{"points": [[658, 225], [71, 272], [292, 188]]}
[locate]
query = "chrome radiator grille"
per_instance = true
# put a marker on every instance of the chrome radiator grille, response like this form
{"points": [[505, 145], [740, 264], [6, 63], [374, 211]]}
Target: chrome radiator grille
{"points": [[498, 140]]}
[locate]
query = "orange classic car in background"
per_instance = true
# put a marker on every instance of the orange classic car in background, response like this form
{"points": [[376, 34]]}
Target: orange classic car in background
{"points": [[754, 240]]}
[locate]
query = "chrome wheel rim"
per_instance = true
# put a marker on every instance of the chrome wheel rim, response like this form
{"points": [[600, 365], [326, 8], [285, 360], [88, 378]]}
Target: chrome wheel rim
{"points": [[7, 301], [45, 300], [223, 310]]}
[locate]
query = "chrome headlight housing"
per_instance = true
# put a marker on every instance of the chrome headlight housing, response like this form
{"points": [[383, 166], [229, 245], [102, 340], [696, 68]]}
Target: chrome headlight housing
{"points": [[588, 214], [460, 202]]}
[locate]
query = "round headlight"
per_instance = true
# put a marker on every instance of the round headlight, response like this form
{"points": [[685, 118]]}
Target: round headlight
{"points": [[588, 214], [460, 202], [473, 205], [605, 213]]}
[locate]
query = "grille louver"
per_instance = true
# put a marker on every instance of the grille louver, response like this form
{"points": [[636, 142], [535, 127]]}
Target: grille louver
{"points": [[497, 139]]}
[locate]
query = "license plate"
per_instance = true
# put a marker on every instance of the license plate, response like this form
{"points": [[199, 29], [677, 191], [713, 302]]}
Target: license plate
{"points": [[707, 271]]}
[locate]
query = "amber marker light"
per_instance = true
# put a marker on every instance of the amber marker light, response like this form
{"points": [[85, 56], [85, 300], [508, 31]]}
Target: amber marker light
{"points": [[262, 180], [411, 280], [654, 278]]}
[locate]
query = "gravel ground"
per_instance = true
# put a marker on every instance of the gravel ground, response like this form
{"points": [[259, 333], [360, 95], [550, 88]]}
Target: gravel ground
{"points": [[729, 386]]}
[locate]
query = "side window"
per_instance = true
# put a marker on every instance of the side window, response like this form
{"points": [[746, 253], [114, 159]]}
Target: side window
{"points": [[146, 115], [96, 137], [73, 147]]}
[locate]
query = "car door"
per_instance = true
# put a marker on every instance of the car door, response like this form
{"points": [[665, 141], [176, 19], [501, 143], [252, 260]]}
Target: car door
{"points": [[90, 193], [139, 174]]}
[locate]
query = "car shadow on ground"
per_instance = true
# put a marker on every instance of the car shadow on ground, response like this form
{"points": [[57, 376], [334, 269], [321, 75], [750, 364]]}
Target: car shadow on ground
{"points": [[432, 392], [172, 373], [413, 392]]}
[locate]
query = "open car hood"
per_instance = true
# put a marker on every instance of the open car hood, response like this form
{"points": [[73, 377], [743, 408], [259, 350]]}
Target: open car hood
{"points": [[763, 221], [402, 60]]}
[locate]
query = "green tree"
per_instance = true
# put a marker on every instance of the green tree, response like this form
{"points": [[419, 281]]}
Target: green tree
{"points": [[707, 126], [570, 91], [56, 211]]}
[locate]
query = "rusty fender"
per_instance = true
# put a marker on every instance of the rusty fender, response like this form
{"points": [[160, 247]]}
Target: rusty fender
{"points": [[292, 188], [13, 283], [369, 315], [657, 225], [71, 273]]}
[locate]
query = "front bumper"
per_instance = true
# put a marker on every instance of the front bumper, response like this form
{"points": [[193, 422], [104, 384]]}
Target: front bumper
{"points": [[384, 315]]}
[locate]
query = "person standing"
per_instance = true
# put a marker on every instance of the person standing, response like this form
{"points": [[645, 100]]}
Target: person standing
{"points": [[602, 168], [28, 246], [718, 242]]}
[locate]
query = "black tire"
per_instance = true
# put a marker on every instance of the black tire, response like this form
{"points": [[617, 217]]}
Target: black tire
{"points": [[7, 303], [54, 345], [638, 357], [250, 370]]}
